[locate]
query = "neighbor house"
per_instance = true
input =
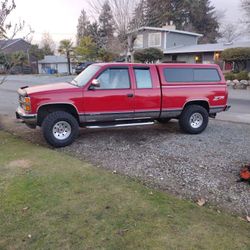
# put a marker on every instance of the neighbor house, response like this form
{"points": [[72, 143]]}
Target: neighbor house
{"points": [[11, 46], [54, 64], [182, 46]]}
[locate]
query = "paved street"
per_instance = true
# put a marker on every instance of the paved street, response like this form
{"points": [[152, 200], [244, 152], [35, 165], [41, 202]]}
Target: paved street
{"points": [[238, 99]]}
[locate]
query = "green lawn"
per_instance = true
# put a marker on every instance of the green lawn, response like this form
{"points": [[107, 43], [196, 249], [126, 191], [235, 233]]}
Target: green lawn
{"points": [[52, 201]]}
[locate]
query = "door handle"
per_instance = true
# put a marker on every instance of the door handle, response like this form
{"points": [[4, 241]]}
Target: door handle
{"points": [[130, 95]]}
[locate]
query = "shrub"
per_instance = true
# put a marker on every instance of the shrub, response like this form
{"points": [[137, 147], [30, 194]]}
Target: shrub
{"points": [[230, 76], [243, 75], [148, 55]]}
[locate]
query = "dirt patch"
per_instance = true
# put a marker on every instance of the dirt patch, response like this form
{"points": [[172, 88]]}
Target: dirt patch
{"points": [[21, 163]]}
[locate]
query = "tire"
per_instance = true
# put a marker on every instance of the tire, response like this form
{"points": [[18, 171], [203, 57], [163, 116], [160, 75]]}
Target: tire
{"points": [[194, 119], [60, 129], [164, 120]]}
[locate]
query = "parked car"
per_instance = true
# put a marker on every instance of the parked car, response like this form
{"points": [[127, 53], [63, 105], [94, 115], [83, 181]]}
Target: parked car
{"points": [[81, 66], [119, 94]]}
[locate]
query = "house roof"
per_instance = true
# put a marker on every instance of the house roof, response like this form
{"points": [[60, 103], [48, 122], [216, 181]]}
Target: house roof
{"points": [[53, 59], [167, 30], [7, 43], [210, 47]]}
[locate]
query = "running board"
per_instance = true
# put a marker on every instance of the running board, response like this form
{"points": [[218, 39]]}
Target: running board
{"points": [[121, 125]]}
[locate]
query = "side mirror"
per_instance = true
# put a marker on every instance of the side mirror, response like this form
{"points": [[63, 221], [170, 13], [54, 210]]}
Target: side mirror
{"points": [[95, 83]]}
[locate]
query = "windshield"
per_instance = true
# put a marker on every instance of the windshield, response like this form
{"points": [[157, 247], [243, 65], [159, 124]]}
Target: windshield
{"points": [[82, 79]]}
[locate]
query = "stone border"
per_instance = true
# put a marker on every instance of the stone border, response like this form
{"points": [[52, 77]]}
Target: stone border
{"points": [[236, 84]]}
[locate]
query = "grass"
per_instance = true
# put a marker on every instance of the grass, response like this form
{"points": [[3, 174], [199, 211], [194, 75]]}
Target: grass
{"points": [[49, 200]]}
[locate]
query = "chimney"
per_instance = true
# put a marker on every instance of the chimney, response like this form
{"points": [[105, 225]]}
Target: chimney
{"points": [[169, 26]]}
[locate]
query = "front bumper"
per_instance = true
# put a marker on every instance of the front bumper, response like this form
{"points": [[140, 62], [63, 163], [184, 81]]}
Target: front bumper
{"points": [[29, 119]]}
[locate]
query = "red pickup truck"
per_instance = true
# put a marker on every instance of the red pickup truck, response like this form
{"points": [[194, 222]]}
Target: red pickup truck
{"points": [[123, 94]]}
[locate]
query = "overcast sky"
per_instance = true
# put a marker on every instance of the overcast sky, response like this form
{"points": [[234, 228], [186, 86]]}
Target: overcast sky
{"points": [[59, 17]]}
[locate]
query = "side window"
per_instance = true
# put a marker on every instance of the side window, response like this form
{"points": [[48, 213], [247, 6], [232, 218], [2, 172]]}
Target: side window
{"points": [[191, 75], [114, 79], [206, 75], [143, 78], [178, 75]]}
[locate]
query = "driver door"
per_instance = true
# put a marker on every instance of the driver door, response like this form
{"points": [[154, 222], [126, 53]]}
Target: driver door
{"points": [[113, 100]]}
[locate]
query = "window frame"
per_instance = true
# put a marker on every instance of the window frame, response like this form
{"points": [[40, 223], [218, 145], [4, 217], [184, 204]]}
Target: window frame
{"points": [[149, 39]]}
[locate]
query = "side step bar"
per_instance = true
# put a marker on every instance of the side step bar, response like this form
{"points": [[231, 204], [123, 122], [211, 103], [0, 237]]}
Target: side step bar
{"points": [[120, 125]]}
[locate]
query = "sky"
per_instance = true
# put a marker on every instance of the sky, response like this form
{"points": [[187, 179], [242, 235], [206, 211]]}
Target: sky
{"points": [[59, 17]]}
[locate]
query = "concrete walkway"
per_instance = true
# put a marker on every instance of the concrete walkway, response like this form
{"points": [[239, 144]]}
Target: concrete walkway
{"points": [[240, 107]]}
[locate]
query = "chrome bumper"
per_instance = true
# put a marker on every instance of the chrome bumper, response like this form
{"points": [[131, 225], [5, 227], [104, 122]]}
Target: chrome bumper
{"points": [[29, 119]]}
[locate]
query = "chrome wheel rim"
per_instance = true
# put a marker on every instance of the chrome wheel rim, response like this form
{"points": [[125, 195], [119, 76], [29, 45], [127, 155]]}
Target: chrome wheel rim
{"points": [[62, 130], [196, 120]]}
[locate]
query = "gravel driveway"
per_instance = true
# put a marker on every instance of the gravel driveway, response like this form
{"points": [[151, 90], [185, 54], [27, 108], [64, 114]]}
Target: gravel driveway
{"points": [[190, 166]]}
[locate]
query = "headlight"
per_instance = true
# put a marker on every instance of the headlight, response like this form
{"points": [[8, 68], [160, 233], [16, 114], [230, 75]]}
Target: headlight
{"points": [[25, 103]]}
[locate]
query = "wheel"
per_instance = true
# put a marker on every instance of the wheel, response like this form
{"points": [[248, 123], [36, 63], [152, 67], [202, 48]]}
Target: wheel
{"points": [[164, 120], [60, 129], [194, 119]]}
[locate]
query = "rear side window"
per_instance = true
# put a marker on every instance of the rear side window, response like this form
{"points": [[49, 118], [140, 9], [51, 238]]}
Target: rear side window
{"points": [[143, 78], [191, 75], [178, 75], [206, 75]]}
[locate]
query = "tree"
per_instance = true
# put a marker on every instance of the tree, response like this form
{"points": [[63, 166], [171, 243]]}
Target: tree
{"points": [[239, 56], [203, 19], [93, 32], [139, 16], [230, 32], [66, 47], [82, 27], [245, 4], [160, 12], [122, 11], [196, 16], [148, 55], [47, 44], [5, 11], [87, 49], [106, 56], [106, 25]]}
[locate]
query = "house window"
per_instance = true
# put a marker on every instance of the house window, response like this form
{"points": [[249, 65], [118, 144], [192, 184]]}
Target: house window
{"points": [[138, 41], [154, 39]]}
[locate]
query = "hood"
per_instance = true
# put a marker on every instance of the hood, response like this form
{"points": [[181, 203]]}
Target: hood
{"points": [[63, 86]]}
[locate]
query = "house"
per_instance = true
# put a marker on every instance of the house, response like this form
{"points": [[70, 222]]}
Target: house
{"points": [[54, 64], [164, 38], [204, 53], [182, 46], [11, 46]]}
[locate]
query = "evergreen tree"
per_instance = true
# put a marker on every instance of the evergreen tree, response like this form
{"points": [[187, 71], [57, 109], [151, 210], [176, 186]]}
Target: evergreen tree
{"points": [[203, 20], [106, 25], [93, 32], [192, 15], [139, 16], [82, 27]]}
